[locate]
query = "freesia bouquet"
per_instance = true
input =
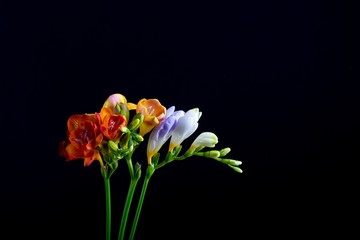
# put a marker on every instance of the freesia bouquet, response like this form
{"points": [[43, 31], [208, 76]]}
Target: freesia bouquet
{"points": [[114, 133]]}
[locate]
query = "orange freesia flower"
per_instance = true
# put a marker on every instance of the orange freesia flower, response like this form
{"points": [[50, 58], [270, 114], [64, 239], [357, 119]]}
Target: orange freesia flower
{"points": [[153, 113], [84, 136], [111, 119], [111, 125]]}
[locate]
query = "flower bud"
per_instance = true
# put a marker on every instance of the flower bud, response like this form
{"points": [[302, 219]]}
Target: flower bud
{"points": [[235, 162], [206, 139], [134, 124], [209, 154], [136, 121], [117, 109], [124, 110], [236, 169], [137, 137], [124, 129], [224, 152], [113, 146], [214, 154]]}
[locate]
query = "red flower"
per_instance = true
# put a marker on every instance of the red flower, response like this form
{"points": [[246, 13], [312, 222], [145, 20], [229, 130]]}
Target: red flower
{"points": [[84, 136]]}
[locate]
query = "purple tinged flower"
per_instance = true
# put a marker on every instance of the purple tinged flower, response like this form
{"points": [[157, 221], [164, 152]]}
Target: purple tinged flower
{"points": [[185, 126], [162, 132]]}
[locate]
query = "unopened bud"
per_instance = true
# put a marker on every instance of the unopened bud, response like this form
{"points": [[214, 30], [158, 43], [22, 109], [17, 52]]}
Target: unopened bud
{"points": [[134, 124], [113, 146], [235, 162], [224, 152], [137, 120], [124, 111], [117, 108], [236, 169], [210, 154], [137, 137], [124, 129], [214, 154]]}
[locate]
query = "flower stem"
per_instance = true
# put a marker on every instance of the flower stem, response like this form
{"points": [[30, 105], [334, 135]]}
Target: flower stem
{"points": [[126, 210], [149, 172], [108, 207], [134, 176]]}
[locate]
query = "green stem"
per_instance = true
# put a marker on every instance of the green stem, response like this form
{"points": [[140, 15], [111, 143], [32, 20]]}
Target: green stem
{"points": [[126, 210], [149, 172], [134, 178], [108, 207]]}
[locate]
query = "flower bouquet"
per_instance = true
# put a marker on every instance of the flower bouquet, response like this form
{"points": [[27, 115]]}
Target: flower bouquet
{"points": [[114, 133]]}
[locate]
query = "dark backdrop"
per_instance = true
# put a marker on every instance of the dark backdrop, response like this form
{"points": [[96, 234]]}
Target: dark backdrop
{"points": [[274, 80]]}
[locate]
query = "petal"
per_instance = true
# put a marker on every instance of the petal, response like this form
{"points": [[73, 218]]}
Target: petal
{"points": [[185, 127], [94, 156], [75, 121], [159, 136], [113, 99], [206, 139], [131, 106], [146, 127], [72, 153]]}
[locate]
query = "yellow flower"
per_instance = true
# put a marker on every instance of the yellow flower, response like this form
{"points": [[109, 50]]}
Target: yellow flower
{"points": [[153, 113]]}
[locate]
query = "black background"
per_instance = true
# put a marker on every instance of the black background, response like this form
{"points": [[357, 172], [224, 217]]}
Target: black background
{"points": [[274, 80]]}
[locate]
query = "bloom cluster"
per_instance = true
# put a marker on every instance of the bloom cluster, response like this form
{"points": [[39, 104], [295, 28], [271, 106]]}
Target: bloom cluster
{"points": [[115, 132], [109, 135]]}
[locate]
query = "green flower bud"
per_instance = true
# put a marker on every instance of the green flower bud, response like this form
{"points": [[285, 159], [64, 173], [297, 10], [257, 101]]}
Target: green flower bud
{"points": [[235, 162], [224, 152], [214, 154], [113, 146], [124, 110], [137, 137], [137, 120], [134, 124], [117, 108], [124, 129], [236, 169], [209, 154]]}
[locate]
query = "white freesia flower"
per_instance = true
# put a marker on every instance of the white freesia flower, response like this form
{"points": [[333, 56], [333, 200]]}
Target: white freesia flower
{"points": [[185, 126], [205, 139]]}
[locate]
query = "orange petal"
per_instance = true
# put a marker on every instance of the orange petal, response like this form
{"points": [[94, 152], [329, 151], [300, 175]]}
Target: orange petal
{"points": [[72, 153], [95, 156]]}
